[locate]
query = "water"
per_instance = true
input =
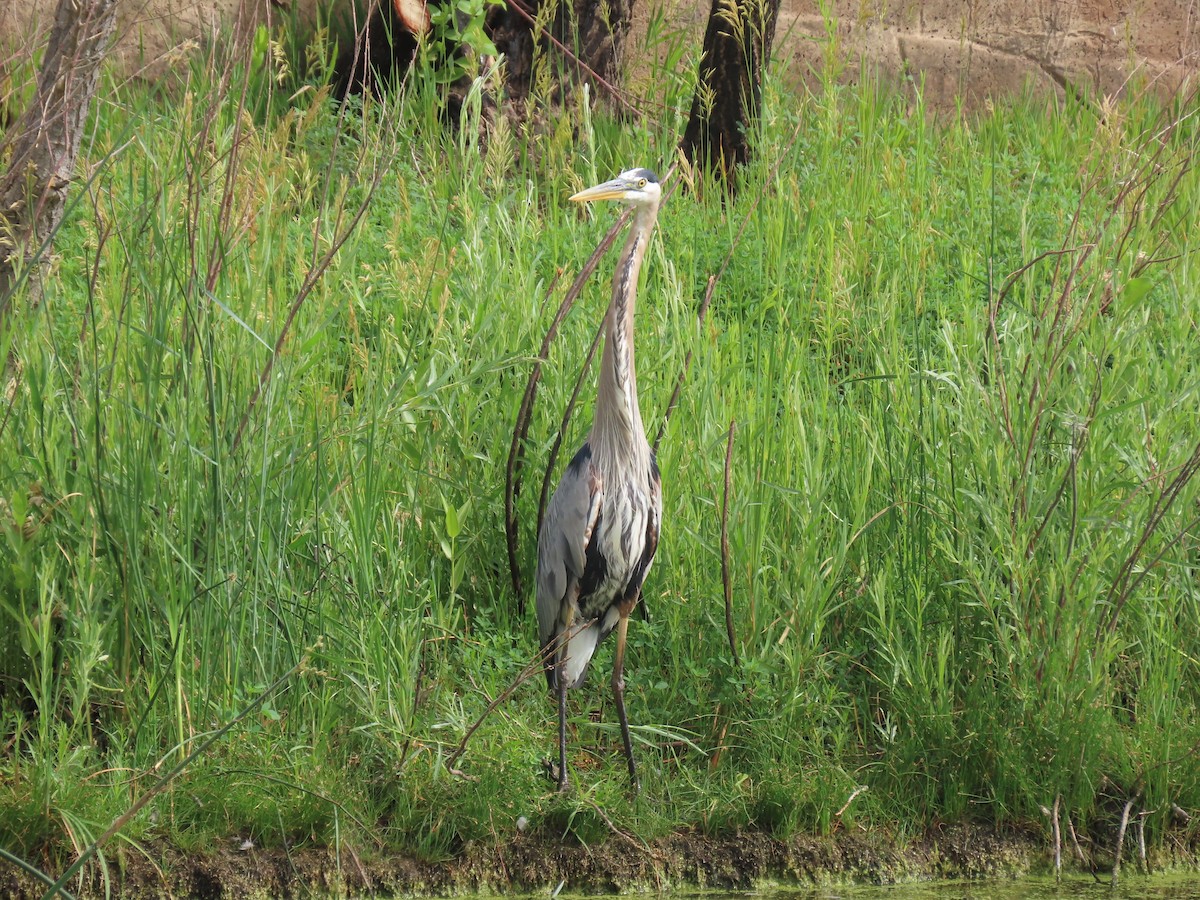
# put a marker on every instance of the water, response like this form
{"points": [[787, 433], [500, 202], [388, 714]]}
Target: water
{"points": [[1131, 887]]}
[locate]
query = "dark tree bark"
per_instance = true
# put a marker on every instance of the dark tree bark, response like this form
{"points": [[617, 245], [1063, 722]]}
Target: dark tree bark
{"points": [[46, 137], [379, 53], [737, 45], [596, 32], [591, 31], [582, 42]]}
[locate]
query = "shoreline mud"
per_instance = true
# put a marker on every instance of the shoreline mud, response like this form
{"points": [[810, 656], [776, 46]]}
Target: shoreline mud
{"points": [[536, 863]]}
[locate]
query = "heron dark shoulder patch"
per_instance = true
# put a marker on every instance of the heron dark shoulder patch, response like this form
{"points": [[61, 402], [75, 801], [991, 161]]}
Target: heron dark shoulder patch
{"points": [[595, 567], [580, 460]]}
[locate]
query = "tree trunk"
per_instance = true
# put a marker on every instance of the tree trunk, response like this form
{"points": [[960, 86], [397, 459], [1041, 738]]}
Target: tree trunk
{"points": [[595, 31], [592, 31], [737, 45], [33, 191], [378, 54]]}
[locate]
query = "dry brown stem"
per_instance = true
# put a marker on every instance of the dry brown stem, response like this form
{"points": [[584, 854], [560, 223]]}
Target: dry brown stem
{"points": [[725, 577], [33, 192]]}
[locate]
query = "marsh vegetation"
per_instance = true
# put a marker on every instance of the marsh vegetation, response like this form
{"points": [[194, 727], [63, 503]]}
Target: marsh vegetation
{"points": [[255, 436]]}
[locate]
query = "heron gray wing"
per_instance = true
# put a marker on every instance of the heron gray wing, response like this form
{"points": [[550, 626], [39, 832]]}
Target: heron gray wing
{"points": [[653, 527], [563, 541]]}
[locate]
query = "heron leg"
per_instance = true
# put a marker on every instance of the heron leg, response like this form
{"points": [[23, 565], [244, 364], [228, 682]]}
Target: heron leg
{"points": [[563, 781], [561, 680], [618, 686]]}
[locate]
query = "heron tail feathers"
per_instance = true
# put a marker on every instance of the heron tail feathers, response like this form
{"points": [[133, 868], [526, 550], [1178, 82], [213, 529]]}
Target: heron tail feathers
{"points": [[581, 646]]}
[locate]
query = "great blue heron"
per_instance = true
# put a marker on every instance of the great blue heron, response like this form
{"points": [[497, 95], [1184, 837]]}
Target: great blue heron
{"points": [[600, 531]]}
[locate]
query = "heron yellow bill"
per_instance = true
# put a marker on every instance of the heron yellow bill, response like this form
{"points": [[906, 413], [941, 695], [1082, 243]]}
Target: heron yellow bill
{"points": [[617, 189]]}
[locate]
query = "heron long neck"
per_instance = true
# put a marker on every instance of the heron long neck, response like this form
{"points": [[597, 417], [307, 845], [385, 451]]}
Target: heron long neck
{"points": [[618, 437]]}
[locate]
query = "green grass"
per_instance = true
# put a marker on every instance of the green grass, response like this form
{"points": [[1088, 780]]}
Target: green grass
{"points": [[964, 562]]}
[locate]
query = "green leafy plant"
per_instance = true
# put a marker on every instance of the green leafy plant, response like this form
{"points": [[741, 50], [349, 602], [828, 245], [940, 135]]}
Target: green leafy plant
{"points": [[457, 39]]}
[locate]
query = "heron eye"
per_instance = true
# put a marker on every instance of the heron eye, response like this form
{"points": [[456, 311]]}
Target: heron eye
{"points": [[641, 182]]}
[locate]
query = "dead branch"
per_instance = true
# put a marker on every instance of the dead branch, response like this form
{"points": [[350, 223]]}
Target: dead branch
{"points": [[1121, 839], [512, 482], [526, 673], [725, 577], [611, 89], [33, 192]]}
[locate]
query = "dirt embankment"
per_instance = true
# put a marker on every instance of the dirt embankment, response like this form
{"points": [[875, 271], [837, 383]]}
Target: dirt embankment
{"points": [[967, 51], [970, 50], [539, 863], [960, 50]]}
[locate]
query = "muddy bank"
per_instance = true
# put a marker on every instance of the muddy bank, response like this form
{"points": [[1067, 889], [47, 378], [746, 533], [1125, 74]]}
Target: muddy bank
{"points": [[538, 863]]}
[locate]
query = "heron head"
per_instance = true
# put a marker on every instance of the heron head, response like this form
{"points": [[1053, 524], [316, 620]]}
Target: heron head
{"points": [[637, 187]]}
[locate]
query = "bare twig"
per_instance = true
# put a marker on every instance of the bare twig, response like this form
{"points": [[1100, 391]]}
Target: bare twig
{"points": [[634, 842], [512, 486], [526, 673], [1016, 276], [725, 577], [318, 265], [1052, 816], [1083, 860], [1055, 827], [46, 139], [544, 496], [609, 88], [1055, 322], [1121, 839], [311, 279], [1127, 581], [1141, 830], [159, 786], [862, 788], [1078, 443]]}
